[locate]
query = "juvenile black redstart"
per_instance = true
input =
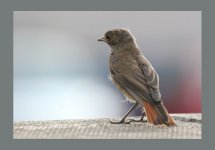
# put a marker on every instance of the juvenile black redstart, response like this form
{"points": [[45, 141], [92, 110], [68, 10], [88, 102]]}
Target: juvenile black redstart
{"points": [[135, 77]]}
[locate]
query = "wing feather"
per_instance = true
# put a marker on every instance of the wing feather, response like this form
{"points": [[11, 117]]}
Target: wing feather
{"points": [[152, 80], [142, 83]]}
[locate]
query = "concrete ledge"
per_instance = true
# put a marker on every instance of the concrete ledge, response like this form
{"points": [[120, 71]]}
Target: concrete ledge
{"points": [[188, 127]]}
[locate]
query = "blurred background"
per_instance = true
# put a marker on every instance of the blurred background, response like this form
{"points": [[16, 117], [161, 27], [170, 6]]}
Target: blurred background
{"points": [[61, 71]]}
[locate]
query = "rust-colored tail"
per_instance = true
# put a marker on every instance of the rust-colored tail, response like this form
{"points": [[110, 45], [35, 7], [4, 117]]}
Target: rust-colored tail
{"points": [[158, 115]]}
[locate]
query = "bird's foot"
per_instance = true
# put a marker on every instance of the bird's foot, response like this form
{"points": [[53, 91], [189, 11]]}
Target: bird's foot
{"points": [[134, 120], [140, 120], [119, 122]]}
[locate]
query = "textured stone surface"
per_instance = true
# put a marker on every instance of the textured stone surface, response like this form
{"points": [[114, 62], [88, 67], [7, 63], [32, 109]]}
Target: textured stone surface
{"points": [[188, 127]]}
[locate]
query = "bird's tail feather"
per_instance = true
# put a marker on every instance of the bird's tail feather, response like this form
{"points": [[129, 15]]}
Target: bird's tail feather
{"points": [[158, 115]]}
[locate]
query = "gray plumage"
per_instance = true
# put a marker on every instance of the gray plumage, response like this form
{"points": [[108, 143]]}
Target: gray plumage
{"points": [[130, 70], [134, 75]]}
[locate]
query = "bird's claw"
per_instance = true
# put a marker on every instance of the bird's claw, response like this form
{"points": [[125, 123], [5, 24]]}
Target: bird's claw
{"points": [[140, 120], [119, 122]]}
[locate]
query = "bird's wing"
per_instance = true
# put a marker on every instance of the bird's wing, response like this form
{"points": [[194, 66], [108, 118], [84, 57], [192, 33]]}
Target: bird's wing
{"points": [[152, 80], [141, 85]]}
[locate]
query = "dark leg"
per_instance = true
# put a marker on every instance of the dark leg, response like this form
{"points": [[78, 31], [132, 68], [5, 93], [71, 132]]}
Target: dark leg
{"points": [[141, 119], [143, 115], [123, 119]]}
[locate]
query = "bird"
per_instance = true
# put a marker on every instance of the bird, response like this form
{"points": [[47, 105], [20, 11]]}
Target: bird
{"points": [[135, 77]]}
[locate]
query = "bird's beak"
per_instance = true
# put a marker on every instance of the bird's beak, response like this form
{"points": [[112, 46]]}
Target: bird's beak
{"points": [[102, 39]]}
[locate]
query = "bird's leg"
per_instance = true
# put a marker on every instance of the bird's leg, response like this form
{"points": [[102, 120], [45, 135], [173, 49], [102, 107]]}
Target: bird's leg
{"points": [[143, 115], [123, 119], [140, 120]]}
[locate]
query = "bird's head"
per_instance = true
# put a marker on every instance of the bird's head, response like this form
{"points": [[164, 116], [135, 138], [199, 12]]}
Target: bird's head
{"points": [[117, 37]]}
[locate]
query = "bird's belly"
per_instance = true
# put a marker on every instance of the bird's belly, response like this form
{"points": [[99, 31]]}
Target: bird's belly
{"points": [[121, 89]]}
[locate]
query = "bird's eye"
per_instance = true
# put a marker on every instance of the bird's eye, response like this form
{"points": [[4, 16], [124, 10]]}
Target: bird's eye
{"points": [[108, 37]]}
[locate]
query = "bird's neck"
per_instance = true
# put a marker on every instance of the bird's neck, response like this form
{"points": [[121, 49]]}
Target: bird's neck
{"points": [[130, 46]]}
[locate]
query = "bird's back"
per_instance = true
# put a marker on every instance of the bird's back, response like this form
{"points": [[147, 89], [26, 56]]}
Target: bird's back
{"points": [[128, 77], [123, 63]]}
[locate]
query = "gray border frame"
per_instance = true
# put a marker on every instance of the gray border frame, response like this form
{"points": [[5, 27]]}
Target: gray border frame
{"points": [[6, 72]]}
